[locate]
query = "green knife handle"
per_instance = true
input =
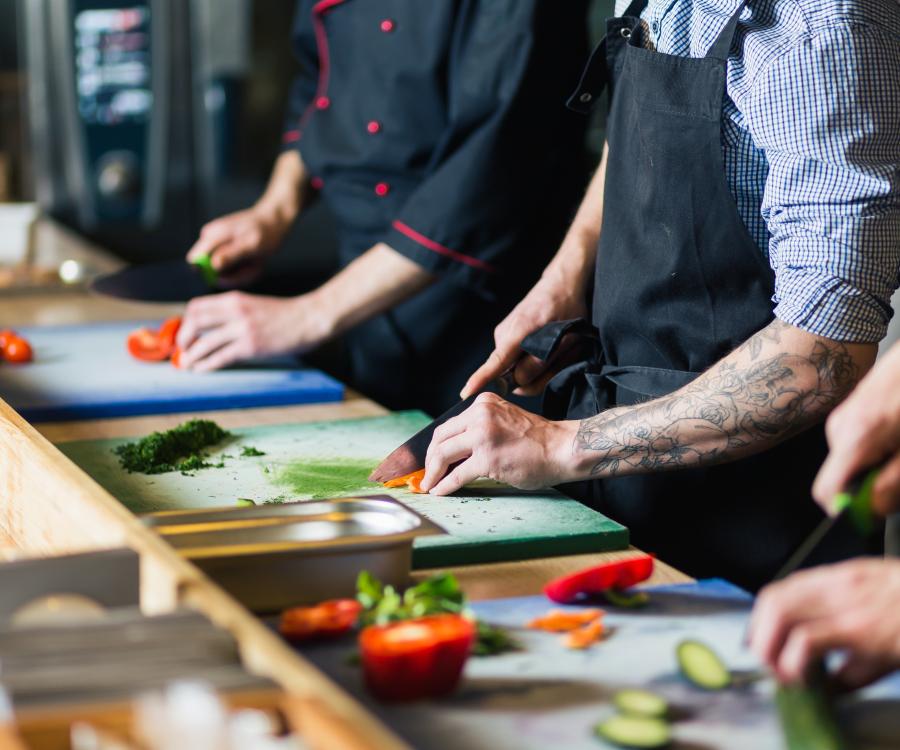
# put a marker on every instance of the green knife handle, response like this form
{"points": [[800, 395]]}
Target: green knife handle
{"points": [[856, 499]]}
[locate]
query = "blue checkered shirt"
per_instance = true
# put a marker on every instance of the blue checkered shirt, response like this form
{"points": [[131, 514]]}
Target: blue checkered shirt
{"points": [[811, 140]]}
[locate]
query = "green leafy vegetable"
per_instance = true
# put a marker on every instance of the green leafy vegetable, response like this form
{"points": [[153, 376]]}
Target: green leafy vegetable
{"points": [[437, 595], [179, 449]]}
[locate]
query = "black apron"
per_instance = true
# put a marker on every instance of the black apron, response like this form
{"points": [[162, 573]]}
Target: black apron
{"points": [[679, 284]]}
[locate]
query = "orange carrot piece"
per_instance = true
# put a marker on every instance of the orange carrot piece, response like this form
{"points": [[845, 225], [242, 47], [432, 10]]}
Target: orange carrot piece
{"points": [[411, 481], [584, 637], [560, 621]]}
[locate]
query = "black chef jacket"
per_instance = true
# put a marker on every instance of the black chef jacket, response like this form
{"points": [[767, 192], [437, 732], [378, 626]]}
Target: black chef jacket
{"points": [[439, 128]]}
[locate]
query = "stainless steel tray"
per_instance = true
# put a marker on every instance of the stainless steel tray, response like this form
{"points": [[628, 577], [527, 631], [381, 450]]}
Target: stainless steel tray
{"points": [[274, 556]]}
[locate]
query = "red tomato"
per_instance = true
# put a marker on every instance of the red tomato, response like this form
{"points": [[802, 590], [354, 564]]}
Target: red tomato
{"points": [[325, 620], [169, 330], [176, 358], [415, 659], [17, 349], [154, 346], [619, 575], [5, 335]]}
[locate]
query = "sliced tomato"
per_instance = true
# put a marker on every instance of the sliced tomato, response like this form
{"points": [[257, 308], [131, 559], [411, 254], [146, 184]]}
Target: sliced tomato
{"points": [[154, 346], [412, 481], [326, 620], [169, 330], [416, 659], [17, 350], [176, 358], [561, 621], [619, 575]]}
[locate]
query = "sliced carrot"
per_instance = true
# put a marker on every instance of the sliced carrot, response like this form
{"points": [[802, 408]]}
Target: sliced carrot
{"points": [[584, 636], [561, 621], [411, 481]]}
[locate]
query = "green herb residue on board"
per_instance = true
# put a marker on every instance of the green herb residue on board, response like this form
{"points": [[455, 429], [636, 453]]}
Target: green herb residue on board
{"points": [[182, 448], [249, 451], [325, 478]]}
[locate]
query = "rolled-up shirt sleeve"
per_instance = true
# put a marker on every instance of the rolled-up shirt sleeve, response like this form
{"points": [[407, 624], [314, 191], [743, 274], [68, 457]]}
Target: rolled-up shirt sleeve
{"points": [[505, 101], [827, 114]]}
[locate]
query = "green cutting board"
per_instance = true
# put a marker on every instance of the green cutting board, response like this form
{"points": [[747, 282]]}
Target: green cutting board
{"points": [[332, 459]]}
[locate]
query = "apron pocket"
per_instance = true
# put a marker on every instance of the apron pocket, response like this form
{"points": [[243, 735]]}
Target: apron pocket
{"points": [[634, 385]]}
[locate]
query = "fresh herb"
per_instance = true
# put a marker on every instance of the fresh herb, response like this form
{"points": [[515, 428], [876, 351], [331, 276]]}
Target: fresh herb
{"points": [[179, 449], [248, 451], [439, 594], [277, 500]]}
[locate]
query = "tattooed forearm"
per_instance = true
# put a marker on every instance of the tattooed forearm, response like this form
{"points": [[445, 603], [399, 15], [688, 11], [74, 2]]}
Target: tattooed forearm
{"points": [[778, 383]]}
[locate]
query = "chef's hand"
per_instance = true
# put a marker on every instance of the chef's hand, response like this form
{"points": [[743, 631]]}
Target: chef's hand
{"points": [[864, 431], [496, 439], [239, 243], [221, 329], [853, 606], [549, 300]]}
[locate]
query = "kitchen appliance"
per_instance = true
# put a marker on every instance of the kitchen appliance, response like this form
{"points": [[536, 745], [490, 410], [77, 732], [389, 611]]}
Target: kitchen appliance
{"points": [[149, 117]]}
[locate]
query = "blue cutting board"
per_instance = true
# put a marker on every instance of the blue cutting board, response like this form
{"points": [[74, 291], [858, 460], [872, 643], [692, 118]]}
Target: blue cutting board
{"points": [[546, 696], [85, 372]]}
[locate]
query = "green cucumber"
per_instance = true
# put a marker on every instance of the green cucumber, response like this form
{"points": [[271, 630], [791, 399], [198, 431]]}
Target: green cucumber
{"points": [[204, 264], [635, 702], [625, 600], [245, 502], [702, 666], [807, 719], [634, 731]]}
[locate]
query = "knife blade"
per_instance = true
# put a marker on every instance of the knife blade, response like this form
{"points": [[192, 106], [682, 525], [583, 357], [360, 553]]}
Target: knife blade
{"points": [[163, 281], [410, 456], [855, 501]]}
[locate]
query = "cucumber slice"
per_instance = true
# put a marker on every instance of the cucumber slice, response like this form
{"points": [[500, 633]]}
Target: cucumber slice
{"points": [[625, 600], [641, 703], [244, 502], [807, 719], [702, 666], [634, 731]]}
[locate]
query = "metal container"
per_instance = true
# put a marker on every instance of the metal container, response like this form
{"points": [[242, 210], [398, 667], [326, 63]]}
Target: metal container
{"points": [[272, 557]]}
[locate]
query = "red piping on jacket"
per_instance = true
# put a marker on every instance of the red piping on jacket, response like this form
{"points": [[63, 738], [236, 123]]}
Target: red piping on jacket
{"points": [[290, 136], [415, 236], [318, 11]]}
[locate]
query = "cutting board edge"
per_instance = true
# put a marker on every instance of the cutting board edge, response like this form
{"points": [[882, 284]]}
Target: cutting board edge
{"points": [[107, 410], [510, 550]]}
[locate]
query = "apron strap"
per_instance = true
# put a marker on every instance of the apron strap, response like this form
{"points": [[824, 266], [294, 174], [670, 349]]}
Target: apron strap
{"points": [[722, 45], [635, 9]]}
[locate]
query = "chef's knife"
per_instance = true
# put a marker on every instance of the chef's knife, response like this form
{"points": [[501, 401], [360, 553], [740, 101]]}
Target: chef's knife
{"points": [[164, 281], [855, 501], [410, 456]]}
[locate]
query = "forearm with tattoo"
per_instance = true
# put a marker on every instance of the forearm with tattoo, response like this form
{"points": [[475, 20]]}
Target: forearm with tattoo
{"points": [[778, 383]]}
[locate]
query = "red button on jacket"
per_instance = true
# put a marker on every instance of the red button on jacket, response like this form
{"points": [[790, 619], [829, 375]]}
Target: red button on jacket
{"points": [[374, 127], [382, 189], [388, 25], [323, 102]]}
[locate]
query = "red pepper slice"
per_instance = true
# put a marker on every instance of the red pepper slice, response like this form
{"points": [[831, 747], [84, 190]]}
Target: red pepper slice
{"points": [[326, 620], [621, 574], [154, 346], [416, 659]]}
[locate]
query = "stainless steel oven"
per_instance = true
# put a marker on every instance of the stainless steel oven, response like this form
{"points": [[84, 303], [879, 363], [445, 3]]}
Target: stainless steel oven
{"points": [[148, 117]]}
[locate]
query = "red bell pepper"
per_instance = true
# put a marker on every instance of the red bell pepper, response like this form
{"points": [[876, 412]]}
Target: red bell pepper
{"points": [[326, 620], [618, 575], [415, 659]]}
